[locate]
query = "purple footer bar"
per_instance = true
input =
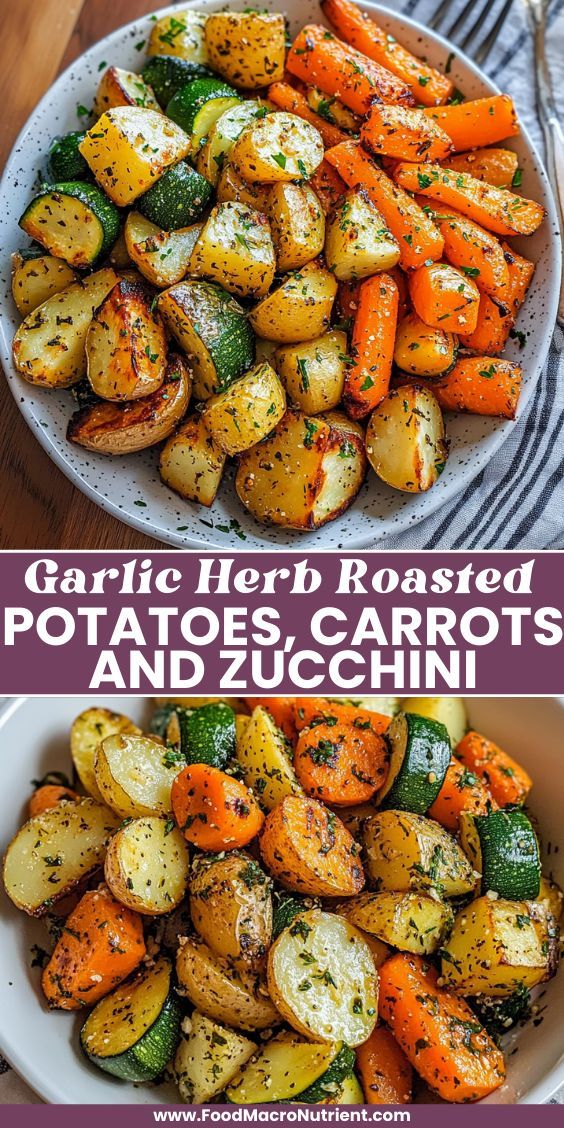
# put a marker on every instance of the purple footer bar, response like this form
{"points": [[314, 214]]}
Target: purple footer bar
{"points": [[134, 1116]]}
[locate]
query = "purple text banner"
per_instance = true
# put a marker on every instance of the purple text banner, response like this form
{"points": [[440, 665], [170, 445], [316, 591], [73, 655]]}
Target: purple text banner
{"points": [[418, 1116]]}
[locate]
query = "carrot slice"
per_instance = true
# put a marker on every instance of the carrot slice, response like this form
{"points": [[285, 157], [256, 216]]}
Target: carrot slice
{"points": [[483, 121], [474, 251], [327, 185], [281, 709], [438, 1032], [429, 86], [418, 238], [100, 945], [341, 764], [495, 166], [293, 101], [496, 209], [462, 790], [49, 796], [318, 710], [213, 810], [318, 58], [507, 781], [403, 133], [385, 1072], [309, 850], [367, 378], [444, 297]]}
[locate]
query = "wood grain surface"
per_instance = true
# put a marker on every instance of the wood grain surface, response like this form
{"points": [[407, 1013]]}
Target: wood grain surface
{"points": [[39, 508]]}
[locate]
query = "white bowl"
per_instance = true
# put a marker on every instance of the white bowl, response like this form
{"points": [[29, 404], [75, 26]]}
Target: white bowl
{"points": [[43, 1046], [129, 487]]}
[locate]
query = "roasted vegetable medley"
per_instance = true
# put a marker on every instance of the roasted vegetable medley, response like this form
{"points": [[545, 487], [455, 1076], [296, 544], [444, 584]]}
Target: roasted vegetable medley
{"points": [[293, 255], [290, 899]]}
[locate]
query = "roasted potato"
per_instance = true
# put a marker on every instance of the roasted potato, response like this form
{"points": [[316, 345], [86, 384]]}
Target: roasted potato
{"points": [[279, 147], [299, 309], [192, 463], [129, 147], [34, 280], [126, 345], [119, 87], [412, 922], [162, 257], [313, 373], [231, 907], [357, 241], [88, 730], [182, 34], [247, 48], [222, 136], [208, 1058], [264, 755], [225, 994], [421, 350], [247, 412], [235, 248], [147, 865], [135, 775], [406, 852], [297, 223], [231, 186], [405, 439]]}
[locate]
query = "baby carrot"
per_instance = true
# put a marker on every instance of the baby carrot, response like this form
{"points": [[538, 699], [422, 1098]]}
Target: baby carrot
{"points": [[341, 764], [444, 297], [429, 86], [404, 133], [474, 251], [483, 121], [461, 791], [520, 277], [213, 810], [496, 209], [492, 330], [327, 185], [48, 796], [385, 1073], [318, 710], [367, 378], [481, 385], [495, 166], [418, 238], [507, 781], [438, 1032], [293, 101], [281, 709], [318, 58]]}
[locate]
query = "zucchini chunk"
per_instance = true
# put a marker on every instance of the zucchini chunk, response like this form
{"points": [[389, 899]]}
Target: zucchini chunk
{"points": [[49, 348], [207, 735], [231, 906], [313, 373], [264, 755], [412, 922], [325, 985], [297, 223], [197, 107], [289, 1069], [280, 147], [212, 329], [405, 851], [299, 309], [88, 730], [449, 711], [181, 35], [238, 997], [163, 257], [502, 846], [119, 87], [65, 161], [122, 428], [420, 756], [126, 345], [178, 198], [166, 74], [128, 148], [223, 135], [235, 248], [499, 945], [147, 866], [357, 241], [231, 186], [73, 221], [208, 1058], [37, 279], [55, 852], [247, 412], [134, 1032], [247, 48], [351, 1091], [191, 463], [135, 775]]}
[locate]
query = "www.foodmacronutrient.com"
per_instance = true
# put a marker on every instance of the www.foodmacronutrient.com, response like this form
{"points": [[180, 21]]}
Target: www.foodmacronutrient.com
{"points": [[271, 1114]]}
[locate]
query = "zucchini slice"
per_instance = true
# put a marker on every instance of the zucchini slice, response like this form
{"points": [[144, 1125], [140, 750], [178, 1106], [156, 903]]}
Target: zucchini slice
{"points": [[503, 847], [196, 107], [134, 1032], [167, 74], [351, 1091], [207, 736], [223, 135], [73, 221], [213, 330], [178, 198], [420, 757], [65, 159], [289, 1069]]}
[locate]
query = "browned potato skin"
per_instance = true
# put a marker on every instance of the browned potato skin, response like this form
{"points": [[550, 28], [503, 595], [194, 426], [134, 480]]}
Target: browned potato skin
{"points": [[119, 87], [122, 428], [231, 907], [126, 344]]}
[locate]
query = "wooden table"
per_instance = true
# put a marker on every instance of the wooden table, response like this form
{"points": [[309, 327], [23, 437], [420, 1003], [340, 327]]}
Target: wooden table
{"points": [[39, 508]]}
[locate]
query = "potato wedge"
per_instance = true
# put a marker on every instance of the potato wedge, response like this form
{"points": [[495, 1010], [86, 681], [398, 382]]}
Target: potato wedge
{"points": [[220, 991], [135, 775], [129, 147], [265, 757], [235, 248], [231, 907], [147, 866], [405, 439], [405, 852], [54, 852], [280, 147], [119, 87], [49, 348], [297, 222], [343, 468], [299, 309], [309, 850], [34, 280], [208, 1058], [357, 241], [412, 922], [88, 730], [192, 463], [126, 345], [232, 186], [181, 34], [246, 48], [162, 257], [247, 412], [323, 980]]}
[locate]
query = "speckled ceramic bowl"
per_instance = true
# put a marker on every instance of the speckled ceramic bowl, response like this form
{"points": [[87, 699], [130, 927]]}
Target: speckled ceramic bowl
{"points": [[129, 487]]}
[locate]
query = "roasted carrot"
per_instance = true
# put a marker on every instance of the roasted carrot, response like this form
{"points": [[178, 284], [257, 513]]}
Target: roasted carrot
{"points": [[327, 185], [48, 796], [495, 166], [483, 121], [481, 385], [317, 57], [415, 232], [462, 790], [400, 280], [492, 330], [385, 1073], [404, 133], [347, 300], [281, 709], [507, 781], [309, 850], [429, 86], [438, 1032], [213, 810], [293, 101], [444, 297], [520, 277], [367, 378], [496, 209], [310, 711], [341, 764], [101, 943], [474, 251]]}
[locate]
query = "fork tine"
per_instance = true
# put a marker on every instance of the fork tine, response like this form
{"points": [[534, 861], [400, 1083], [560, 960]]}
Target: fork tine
{"points": [[460, 19], [485, 47], [440, 12]]}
